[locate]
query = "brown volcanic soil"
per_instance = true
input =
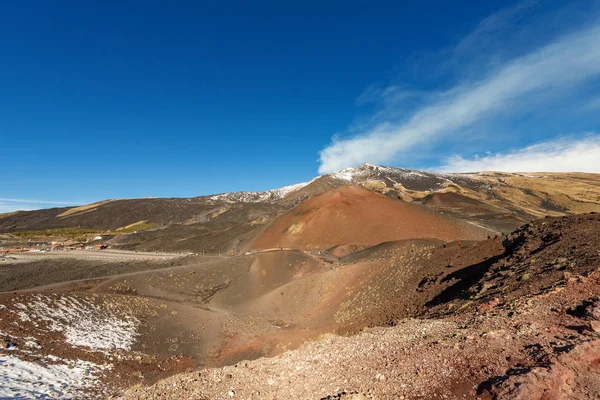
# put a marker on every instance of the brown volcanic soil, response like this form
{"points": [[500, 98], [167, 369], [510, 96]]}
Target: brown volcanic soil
{"points": [[353, 214], [498, 201], [225, 230], [47, 271], [497, 316], [461, 206], [510, 317], [37, 339], [104, 215], [417, 278], [532, 349], [194, 225]]}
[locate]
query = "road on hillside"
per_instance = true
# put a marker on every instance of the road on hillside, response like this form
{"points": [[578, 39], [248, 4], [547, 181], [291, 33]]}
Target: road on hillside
{"points": [[108, 254]]}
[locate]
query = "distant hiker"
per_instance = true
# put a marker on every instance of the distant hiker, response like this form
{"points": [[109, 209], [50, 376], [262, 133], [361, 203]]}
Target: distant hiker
{"points": [[444, 245], [459, 243]]}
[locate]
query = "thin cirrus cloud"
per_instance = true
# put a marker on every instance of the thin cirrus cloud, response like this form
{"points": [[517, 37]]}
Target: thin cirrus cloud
{"points": [[567, 62], [567, 154], [595, 103], [30, 201], [11, 204]]}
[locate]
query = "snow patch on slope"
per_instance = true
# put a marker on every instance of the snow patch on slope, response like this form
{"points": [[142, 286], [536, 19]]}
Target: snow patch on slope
{"points": [[411, 179], [367, 170], [259, 197], [83, 322], [347, 174], [389, 176], [21, 379]]}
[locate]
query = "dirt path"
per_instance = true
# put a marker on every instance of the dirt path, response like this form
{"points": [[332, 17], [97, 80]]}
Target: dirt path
{"points": [[74, 285], [108, 254]]}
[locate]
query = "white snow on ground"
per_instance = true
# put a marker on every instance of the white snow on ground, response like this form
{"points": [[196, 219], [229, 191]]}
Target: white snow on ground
{"points": [[259, 197], [284, 191], [26, 380], [353, 175], [346, 174], [83, 322], [350, 175], [368, 171]]}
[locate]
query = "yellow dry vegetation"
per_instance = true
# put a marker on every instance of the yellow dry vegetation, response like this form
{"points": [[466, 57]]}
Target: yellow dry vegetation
{"points": [[136, 226], [537, 194], [219, 212], [83, 209], [577, 193], [260, 221], [295, 228], [375, 185], [542, 194]]}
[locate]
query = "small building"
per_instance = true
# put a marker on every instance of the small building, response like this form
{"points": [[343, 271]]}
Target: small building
{"points": [[75, 245], [58, 243]]}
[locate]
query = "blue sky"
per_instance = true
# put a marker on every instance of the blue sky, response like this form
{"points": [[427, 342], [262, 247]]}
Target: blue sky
{"points": [[132, 99]]}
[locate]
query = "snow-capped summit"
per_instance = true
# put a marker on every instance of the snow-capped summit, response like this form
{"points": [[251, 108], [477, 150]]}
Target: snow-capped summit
{"points": [[388, 176], [408, 178], [258, 197]]}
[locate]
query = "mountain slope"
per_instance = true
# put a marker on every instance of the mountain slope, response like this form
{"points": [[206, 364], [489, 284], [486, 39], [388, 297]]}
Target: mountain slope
{"points": [[353, 214], [512, 317], [229, 222]]}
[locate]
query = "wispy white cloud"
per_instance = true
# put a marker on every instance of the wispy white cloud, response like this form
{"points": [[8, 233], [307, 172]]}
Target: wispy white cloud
{"points": [[564, 63], [392, 94], [595, 103], [11, 204], [567, 154], [490, 30], [35, 201], [8, 209]]}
